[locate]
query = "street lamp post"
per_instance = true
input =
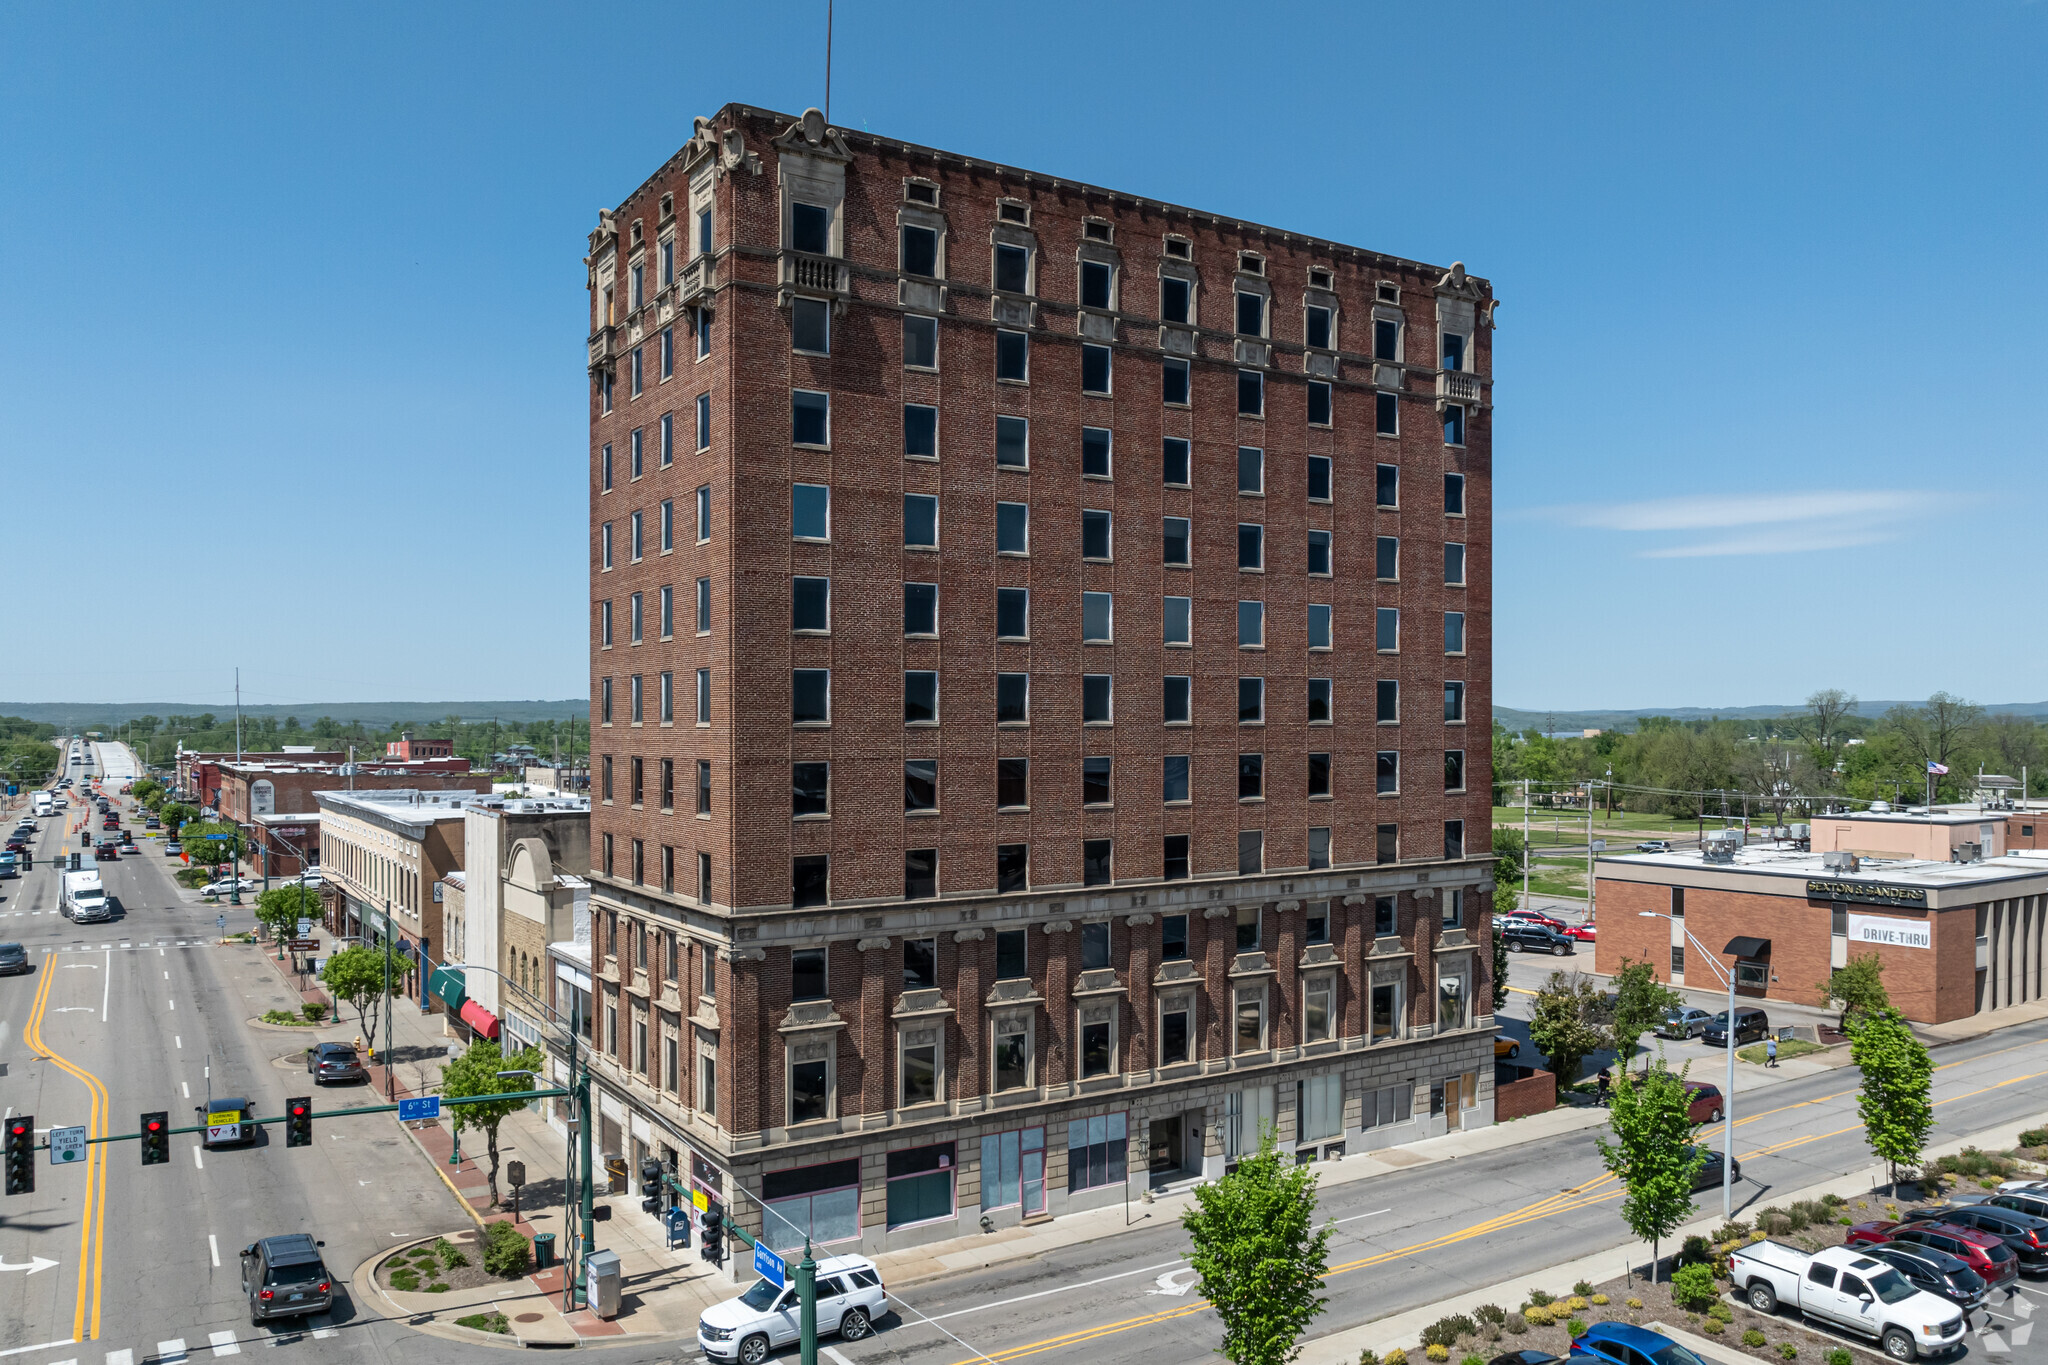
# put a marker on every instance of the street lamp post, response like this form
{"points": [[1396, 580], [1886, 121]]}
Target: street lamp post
{"points": [[1728, 1092]]}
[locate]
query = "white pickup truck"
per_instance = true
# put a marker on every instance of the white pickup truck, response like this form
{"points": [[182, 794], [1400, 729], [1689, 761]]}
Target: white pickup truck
{"points": [[1844, 1288]]}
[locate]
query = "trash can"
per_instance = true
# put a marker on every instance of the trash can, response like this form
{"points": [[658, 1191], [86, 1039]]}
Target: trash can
{"points": [[543, 1250], [601, 1283]]}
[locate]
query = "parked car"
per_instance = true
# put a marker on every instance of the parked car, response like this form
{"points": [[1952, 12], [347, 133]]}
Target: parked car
{"points": [[1847, 1289], [334, 1062], [1654, 846], [1618, 1343], [1686, 1022], [2034, 1201], [2024, 1233], [1533, 917], [1524, 937], [850, 1296], [1989, 1256], [227, 886], [1506, 1048], [1709, 1175], [14, 960], [1751, 1026], [311, 877], [1584, 933], [1703, 1102], [284, 1277], [172, 848], [1936, 1272]]}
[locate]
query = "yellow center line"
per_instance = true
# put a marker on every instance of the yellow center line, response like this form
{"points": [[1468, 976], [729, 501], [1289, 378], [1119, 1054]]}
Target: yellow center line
{"points": [[92, 1212]]}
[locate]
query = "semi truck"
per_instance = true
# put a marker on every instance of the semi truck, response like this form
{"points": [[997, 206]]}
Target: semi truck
{"points": [[45, 804], [84, 900]]}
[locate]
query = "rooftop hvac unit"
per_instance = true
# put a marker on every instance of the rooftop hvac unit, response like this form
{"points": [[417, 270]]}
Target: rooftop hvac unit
{"points": [[1802, 831], [1838, 861], [1968, 853]]}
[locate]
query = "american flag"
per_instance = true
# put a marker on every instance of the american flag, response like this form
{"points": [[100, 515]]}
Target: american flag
{"points": [[1938, 769]]}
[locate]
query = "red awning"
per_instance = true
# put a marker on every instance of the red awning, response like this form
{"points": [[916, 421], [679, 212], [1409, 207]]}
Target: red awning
{"points": [[480, 1019]]}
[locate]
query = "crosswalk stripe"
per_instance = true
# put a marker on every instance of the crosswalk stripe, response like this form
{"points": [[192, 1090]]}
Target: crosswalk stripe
{"points": [[224, 1343], [64, 1362], [121, 1357], [171, 1352], [322, 1333]]}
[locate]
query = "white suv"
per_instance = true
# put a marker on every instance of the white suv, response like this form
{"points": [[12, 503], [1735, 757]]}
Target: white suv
{"points": [[850, 1296]]}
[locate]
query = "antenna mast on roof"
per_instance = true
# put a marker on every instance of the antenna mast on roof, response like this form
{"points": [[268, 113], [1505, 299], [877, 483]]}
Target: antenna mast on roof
{"points": [[828, 61], [238, 715]]}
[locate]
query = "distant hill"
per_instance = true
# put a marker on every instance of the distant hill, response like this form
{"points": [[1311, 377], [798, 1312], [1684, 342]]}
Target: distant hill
{"points": [[377, 714], [1560, 721]]}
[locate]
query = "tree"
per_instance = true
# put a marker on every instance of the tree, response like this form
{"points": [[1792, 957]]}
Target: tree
{"points": [[1824, 712], [1860, 988], [282, 907], [1260, 1259], [1500, 969], [204, 848], [1640, 1003], [1898, 1077], [1652, 1153], [1934, 733], [475, 1072], [356, 977], [175, 814], [2013, 742], [1565, 1024], [1510, 851]]}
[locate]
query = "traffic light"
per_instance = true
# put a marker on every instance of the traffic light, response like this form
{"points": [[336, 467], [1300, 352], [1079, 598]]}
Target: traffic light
{"points": [[298, 1122], [21, 1154], [650, 1185], [711, 1230], [156, 1137]]}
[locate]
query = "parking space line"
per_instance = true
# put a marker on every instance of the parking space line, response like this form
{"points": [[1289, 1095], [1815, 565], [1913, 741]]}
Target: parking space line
{"points": [[224, 1343]]}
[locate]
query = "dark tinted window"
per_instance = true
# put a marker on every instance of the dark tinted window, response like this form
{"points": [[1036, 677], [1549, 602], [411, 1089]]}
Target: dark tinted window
{"points": [[303, 1272], [810, 229]]}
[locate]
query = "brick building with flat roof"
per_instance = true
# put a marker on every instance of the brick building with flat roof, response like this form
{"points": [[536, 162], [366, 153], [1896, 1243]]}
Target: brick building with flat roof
{"points": [[1040, 674]]}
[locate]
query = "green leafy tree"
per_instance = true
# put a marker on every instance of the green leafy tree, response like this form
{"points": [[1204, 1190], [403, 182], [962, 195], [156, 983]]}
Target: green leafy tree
{"points": [[1652, 1153], [144, 789], [198, 841], [1640, 1002], [282, 907], [1860, 988], [1509, 851], [356, 977], [1260, 1258], [1567, 1023], [475, 1072], [1896, 1105], [1500, 971], [175, 814]]}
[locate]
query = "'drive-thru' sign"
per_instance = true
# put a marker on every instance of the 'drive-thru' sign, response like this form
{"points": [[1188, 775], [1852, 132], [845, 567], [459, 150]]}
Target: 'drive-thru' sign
{"points": [[1890, 932]]}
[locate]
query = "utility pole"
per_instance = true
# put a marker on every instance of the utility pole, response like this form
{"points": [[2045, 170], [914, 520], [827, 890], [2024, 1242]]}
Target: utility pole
{"points": [[1589, 849], [238, 715], [1525, 843], [390, 1088]]}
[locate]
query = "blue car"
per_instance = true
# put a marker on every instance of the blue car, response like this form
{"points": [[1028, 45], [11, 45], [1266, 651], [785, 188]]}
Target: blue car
{"points": [[1617, 1343]]}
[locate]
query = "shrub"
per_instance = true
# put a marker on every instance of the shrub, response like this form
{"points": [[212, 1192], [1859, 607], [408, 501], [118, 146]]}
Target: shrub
{"points": [[1838, 1356], [2033, 1137], [1733, 1231], [1491, 1313], [1722, 1311], [1368, 1356], [1473, 1360], [1694, 1251], [314, 1012], [1537, 1314], [486, 1322], [1439, 1354], [1634, 1303], [506, 1253], [1576, 1303], [1539, 1297], [1516, 1325], [1788, 1349], [437, 1288], [1583, 1287], [1833, 1201], [1445, 1331], [1713, 1327], [1753, 1338], [451, 1254], [1397, 1356], [406, 1281], [1577, 1327], [1692, 1287], [1599, 1300]]}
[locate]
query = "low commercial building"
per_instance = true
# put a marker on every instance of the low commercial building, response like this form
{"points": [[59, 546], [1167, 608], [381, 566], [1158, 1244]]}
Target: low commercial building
{"points": [[264, 784], [1955, 937], [516, 897], [285, 845], [410, 746], [1918, 833]]}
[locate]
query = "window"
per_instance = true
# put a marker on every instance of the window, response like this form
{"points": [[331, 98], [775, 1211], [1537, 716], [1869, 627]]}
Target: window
{"points": [[668, 260], [1318, 403], [1450, 1002], [920, 1180], [1098, 1046], [1097, 618], [810, 326], [1251, 545], [668, 525], [1389, 772], [1387, 630], [1319, 553], [920, 873], [1319, 701], [920, 697], [1174, 779], [1454, 632], [1176, 297], [1013, 269], [1174, 868], [1319, 1100], [1178, 698], [1251, 625], [920, 609], [1013, 1047], [807, 974], [819, 1203], [1176, 461], [635, 447], [1454, 770], [1318, 330], [668, 611], [1096, 450], [604, 468], [605, 380], [703, 696], [1251, 702], [920, 342], [921, 784], [1454, 423], [1013, 443], [1096, 699], [1387, 485], [1319, 478], [810, 418], [1251, 393], [810, 789], [1251, 470], [1454, 564], [1387, 558], [636, 769], [668, 699], [1011, 955], [1094, 369], [810, 511], [1318, 775], [1096, 1151], [703, 787], [1013, 783], [1454, 843], [1386, 339], [810, 1096], [810, 878], [634, 372], [1316, 926], [703, 421], [702, 322], [1013, 356], [1095, 535], [1176, 618], [920, 520], [1095, 785], [1177, 536], [634, 617], [1387, 843], [1319, 847], [1383, 916], [1012, 867], [703, 230], [1251, 1025], [810, 228], [1251, 852], [1013, 1171], [1454, 703], [1095, 862], [1454, 495], [703, 514], [1386, 1012], [604, 546], [1251, 777], [920, 431], [1013, 613], [1013, 698], [810, 604], [704, 894], [1095, 281], [1389, 707], [1095, 946], [1251, 314], [1175, 382], [811, 696], [919, 250], [1678, 959]]}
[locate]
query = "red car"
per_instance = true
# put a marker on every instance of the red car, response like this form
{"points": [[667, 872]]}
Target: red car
{"points": [[1989, 1256], [1534, 917], [106, 850], [1703, 1102], [1582, 932]]}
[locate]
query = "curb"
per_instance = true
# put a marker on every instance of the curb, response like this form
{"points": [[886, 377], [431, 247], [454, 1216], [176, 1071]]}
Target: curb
{"points": [[363, 1281], [435, 1163]]}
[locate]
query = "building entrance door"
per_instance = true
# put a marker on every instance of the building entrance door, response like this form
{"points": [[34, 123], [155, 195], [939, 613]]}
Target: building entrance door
{"points": [[1454, 1102], [1166, 1144]]}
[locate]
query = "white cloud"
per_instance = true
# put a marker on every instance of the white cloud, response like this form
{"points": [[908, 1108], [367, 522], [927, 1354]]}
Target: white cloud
{"points": [[1785, 523]]}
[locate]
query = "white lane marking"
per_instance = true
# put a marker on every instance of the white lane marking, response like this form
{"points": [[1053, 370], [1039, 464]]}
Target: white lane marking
{"points": [[322, 1333], [176, 1039], [2021, 1333], [171, 1352], [1356, 1216], [198, 1160], [167, 976], [1170, 1284], [213, 1249], [187, 1085], [107, 993], [1024, 1298], [171, 1004], [837, 1359], [72, 1361], [224, 1343], [124, 1356]]}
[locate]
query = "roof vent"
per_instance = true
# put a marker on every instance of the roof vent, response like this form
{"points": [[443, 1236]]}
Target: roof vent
{"points": [[1968, 853], [1880, 808], [1838, 861]]}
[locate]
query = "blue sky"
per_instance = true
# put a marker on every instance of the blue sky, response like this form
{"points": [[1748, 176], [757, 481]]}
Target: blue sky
{"points": [[291, 308]]}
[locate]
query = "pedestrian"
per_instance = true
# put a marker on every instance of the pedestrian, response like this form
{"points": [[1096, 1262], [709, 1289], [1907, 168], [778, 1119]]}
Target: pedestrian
{"points": [[1605, 1081], [1770, 1052]]}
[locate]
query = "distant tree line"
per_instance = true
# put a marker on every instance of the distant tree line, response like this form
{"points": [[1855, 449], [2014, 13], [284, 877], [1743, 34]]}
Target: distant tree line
{"points": [[157, 738]]}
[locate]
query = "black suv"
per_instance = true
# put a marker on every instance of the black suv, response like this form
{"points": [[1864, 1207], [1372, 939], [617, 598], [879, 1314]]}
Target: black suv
{"points": [[284, 1277], [1751, 1026], [14, 960], [1537, 938], [2025, 1234]]}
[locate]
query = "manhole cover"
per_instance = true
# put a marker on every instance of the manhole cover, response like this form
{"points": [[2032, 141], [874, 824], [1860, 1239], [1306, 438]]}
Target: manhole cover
{"points": [[527, 1317]]}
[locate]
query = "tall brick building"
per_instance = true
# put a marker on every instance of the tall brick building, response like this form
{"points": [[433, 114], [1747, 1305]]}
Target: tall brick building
{"points": [[1040, 654]]}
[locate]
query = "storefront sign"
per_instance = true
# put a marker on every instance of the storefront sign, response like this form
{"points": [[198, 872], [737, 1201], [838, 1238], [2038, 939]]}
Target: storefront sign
{"points": [[1866, 893], [1893, 933]]}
